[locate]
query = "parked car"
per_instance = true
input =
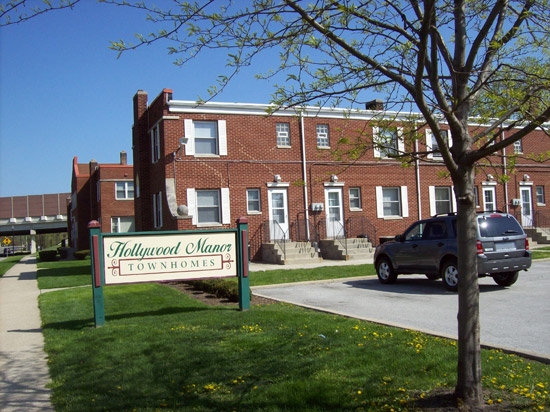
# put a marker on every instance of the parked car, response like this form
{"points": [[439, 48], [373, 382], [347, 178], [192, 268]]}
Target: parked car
{"points": [[429, 247]]}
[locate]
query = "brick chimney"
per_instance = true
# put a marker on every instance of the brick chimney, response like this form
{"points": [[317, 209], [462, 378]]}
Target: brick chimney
{"points": [[375, 104], [123, 158]]}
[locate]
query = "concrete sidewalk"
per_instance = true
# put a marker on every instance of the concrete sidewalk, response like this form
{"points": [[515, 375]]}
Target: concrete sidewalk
{"points": [[23, 363]]}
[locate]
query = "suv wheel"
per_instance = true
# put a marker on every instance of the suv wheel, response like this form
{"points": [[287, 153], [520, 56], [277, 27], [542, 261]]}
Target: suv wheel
{"points": [[506, 278], [385, 272], [449, 274]]}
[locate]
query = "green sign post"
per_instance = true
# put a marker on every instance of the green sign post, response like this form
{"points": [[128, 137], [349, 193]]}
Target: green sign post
{"points": [[119, 258]]}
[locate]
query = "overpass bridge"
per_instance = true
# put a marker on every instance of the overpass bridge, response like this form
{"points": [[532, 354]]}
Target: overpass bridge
{"points": [[31, 215]]}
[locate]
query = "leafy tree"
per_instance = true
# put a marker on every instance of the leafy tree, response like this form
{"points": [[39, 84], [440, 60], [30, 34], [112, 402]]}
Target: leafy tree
{"points": [[448, 60], [18, 11]]}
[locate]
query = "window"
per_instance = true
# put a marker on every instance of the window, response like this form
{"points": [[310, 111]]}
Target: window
{"points": [[489, 202], [432, 145], [518, 146], [155, 144], [124, 190], [122, 224], [392, 202], [210, 206], [322, 135], [157, 210], [539, 192], [387, 142], [205, 138], [441, 200], [355, 198], [253, 201], [283, 134]]}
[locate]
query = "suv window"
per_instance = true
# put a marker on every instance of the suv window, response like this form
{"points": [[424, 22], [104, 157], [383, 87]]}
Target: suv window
{"points": [[415, 232], [498, 225]]}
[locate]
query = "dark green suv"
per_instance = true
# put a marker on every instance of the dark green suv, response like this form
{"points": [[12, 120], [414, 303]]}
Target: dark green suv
{"points": [[429, 247]]}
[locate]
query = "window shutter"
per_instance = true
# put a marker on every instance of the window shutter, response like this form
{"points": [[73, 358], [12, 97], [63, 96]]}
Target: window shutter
{"points": [[453, 199], [429, 137], [379, 202], [222, 137], [400, 141], [192, 204], [431, 191], [375, 148], [189, 130], [404, 202], [226, 210]]}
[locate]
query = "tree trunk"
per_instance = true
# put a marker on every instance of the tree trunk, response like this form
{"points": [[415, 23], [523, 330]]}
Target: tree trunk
{"points": [[468, 386]]}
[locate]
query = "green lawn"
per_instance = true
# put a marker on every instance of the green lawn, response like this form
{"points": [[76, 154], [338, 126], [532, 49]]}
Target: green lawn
{"points": [[161, 350], [8, 262]]}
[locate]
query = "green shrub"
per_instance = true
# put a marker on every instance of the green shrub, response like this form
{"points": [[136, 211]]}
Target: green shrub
{"points": [[82, 254], [218, 287], [48, 255]]}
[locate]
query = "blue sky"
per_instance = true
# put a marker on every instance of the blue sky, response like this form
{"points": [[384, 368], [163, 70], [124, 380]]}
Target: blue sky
{"points": [[64, 93]]}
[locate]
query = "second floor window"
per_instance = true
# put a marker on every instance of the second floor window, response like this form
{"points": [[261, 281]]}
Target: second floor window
{"points": [[205, 138], [518, 146], [124, 190], [322, 135], [283, 134], [387, 142], [432, 146]]}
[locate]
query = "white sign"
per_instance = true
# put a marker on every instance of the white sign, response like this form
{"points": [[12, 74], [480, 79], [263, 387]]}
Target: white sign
{"points": [[147, 258]]}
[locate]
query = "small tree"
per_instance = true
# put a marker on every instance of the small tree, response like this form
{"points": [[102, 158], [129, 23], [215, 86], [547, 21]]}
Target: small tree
{"points": [[446, 59]]}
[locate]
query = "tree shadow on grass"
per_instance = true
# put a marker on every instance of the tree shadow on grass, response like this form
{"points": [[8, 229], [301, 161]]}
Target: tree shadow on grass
{"points": [[77, 324]]}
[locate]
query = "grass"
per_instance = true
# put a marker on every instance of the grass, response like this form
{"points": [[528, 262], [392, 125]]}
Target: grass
{"points": [[541, 253], [161, 350], [8, 262]]}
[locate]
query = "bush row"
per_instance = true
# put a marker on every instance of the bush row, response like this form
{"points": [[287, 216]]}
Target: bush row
{"points": [[219, 287]]}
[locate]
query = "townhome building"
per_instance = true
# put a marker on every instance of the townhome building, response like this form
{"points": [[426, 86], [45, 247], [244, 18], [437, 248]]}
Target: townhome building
{"points": [[309, 180], [101, 192]]}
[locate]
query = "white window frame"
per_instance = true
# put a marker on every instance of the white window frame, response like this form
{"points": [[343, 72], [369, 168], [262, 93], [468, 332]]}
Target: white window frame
{"points": [[489, 189], [283, 134], [118, 221], [518, 146], [539, 194], [155, 143], [433, 198], [380, 152], [431, 144], [323, 140], [126, 189], [355, 197], [257, 201], [225, 207], [157, 210], [221, 138], [403, 200]]}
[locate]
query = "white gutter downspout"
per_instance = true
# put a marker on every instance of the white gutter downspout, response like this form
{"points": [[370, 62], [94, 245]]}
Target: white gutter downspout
{"points": [[504, 166], [304, 172], [417, 170]]}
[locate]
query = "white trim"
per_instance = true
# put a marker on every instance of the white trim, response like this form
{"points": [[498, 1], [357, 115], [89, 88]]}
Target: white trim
{"points": [[225, 206], [404, 201], [189, 133], [277, 184], [192, 204], [222, 138]]}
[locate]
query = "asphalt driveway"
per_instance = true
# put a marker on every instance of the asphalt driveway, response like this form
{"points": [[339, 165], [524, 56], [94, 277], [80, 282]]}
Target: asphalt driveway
{"points": [[514, 319]]}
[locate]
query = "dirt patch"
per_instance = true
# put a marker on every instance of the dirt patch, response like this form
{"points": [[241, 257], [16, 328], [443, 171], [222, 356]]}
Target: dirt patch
{"points": [[214, 300]]}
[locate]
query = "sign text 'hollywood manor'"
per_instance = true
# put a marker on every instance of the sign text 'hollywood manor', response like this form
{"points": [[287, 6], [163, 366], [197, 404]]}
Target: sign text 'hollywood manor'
{"points": [[154, 258]]}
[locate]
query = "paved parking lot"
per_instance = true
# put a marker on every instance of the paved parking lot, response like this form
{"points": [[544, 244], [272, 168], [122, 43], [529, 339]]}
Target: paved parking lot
{"points": [[515, 318]]}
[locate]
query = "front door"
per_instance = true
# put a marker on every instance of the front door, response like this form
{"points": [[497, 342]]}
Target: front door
{"points": [[526, 206], [278, 214], [335, 213]]}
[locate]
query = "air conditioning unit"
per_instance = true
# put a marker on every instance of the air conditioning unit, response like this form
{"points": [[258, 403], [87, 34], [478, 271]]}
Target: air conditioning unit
{"points": [[516, 202]]}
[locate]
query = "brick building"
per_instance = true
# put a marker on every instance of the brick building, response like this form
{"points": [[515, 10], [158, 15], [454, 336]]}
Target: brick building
{"points": [[199, 166], [102, 192]]}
